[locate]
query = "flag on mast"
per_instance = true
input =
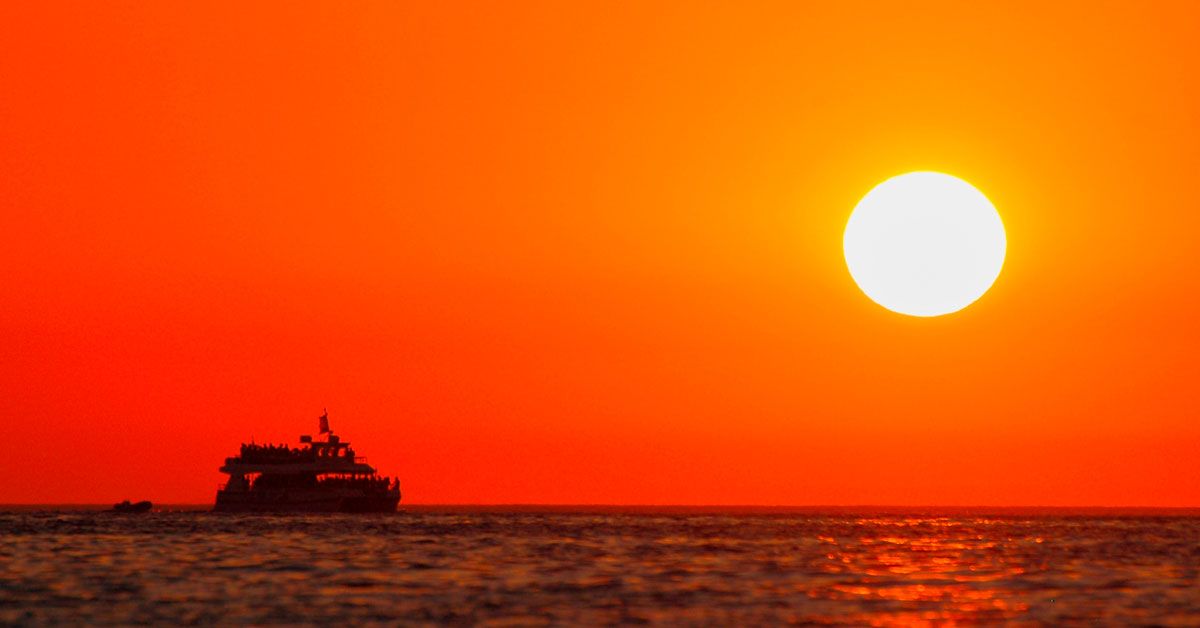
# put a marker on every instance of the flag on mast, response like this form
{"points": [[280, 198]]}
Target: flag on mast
{"points": [[324, 418]]}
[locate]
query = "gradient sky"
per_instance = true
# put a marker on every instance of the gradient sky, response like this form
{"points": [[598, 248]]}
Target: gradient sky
{"points": [[590, 252]]}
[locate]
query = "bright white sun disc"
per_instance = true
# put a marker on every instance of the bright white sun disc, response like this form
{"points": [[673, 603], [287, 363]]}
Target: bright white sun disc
{"points": [[924, 244]]}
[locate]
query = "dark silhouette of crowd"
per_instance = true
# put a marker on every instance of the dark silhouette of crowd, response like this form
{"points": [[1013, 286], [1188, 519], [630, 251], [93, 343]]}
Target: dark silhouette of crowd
{"points": [[275, 453], [372, 483], [283, 453]]}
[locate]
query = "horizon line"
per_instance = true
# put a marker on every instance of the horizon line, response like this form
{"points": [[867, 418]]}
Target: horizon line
{"points": [[672, 505]]}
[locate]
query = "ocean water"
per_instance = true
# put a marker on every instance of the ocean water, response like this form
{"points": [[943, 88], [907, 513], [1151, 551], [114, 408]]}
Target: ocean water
{"points": [[555, 566]]}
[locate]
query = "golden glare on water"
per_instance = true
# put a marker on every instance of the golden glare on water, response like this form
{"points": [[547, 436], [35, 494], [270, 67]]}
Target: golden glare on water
{"points": [[924, 244]]}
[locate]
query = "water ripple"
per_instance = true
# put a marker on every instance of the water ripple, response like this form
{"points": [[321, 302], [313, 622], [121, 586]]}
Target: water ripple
{"points": [[500, 568]]}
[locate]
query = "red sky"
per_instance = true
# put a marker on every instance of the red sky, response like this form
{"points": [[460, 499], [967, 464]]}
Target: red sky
{"points": [[591, 252]]}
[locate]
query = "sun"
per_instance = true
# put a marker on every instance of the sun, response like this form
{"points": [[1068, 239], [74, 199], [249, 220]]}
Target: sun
{"points": [[924, 244]]}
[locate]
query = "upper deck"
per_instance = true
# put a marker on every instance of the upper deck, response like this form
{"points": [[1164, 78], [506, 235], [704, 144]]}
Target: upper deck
{"points": [[330, 455], [237, 466]]}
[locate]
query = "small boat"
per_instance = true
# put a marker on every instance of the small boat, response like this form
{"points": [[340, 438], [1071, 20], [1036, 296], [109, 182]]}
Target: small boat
{"points": [[132, 508]]}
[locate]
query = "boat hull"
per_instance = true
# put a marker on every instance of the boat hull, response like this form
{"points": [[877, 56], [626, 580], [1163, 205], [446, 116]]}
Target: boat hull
{"points": [[305, 501], [132, 509]]}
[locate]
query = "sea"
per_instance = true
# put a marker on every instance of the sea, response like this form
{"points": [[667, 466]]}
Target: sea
{"points": [[538, 566]]}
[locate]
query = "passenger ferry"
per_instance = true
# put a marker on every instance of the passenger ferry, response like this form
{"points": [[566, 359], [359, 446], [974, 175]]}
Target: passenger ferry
{"points": [[321, 475]]}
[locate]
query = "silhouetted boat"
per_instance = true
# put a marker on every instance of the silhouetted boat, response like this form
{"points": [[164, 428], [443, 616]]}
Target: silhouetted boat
{"points": [[132, 508], [322, 475]]}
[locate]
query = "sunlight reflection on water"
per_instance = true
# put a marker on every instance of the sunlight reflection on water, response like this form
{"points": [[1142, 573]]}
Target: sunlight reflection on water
{"points": [[461, 566]]}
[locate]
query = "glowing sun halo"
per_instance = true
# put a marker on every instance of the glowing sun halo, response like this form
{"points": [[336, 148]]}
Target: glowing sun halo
{"points": [[924, 244]]}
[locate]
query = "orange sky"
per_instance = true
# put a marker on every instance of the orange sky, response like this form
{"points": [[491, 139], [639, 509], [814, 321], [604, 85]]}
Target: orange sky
{"points": [[573, 252]]}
